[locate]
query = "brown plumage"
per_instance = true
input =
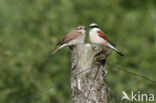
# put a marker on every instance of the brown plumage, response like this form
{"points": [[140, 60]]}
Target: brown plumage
{"points": [[70, 36], [103, 35], [74, 37], [99, 37]]}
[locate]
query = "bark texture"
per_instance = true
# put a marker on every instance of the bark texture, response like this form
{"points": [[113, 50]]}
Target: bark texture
{"points": [[88, 72]]}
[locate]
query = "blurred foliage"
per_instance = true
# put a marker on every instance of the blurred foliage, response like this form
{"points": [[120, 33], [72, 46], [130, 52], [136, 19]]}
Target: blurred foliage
{"points": [[30, 29]]}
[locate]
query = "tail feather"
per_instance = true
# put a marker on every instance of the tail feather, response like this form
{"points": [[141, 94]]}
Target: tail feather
{"points": [[55, 50], [111, 46], [121, 54]]}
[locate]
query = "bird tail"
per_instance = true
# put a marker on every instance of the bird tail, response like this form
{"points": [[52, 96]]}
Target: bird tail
{"points": [[55, 50], [111, 46]]}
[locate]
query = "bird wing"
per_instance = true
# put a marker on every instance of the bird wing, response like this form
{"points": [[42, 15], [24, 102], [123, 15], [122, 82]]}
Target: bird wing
{"points": [[70, 36], [103, 35]]}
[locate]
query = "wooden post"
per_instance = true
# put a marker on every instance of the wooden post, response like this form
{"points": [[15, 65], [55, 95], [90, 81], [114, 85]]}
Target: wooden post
{"points": [[88, 84]]}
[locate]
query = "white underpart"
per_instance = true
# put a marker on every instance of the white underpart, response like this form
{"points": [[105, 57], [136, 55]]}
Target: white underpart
{"points": [[79, 84], [82, 31], [95, 38]]}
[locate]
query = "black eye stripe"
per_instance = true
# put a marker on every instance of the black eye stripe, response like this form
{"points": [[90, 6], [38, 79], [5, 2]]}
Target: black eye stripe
{"points": [[95, 26]]}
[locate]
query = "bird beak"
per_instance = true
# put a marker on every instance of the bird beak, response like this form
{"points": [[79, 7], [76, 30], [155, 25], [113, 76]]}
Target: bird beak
{"points": [[85, 28]]}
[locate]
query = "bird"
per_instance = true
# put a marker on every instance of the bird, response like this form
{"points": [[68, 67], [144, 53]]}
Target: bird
{"points": [[76, 36], [97, 36]]}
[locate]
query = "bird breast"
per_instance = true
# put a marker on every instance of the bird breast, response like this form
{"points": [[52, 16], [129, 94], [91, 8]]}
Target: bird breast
{"points": [[95, 38], [79, 40]]}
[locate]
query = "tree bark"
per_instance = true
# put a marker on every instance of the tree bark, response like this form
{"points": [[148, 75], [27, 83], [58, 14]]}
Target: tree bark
{"points": [[88, 72]]}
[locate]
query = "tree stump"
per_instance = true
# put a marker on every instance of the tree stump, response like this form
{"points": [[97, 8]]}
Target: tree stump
{"points": [[88, 72]]}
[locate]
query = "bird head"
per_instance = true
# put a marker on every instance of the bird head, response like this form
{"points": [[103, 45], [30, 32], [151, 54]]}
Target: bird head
{"points": [[93, 25], [81, 29]]}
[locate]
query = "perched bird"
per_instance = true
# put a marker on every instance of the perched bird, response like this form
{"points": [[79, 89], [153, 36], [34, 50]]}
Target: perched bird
{"points": [[76, 36], [99, 37]]}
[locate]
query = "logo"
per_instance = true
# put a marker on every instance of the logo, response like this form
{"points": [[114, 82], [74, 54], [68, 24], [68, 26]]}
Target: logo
{"points": [[137, 97]]}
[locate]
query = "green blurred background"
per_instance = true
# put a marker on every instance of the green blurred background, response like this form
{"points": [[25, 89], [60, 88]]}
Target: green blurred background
{"points": [[30, 29]]}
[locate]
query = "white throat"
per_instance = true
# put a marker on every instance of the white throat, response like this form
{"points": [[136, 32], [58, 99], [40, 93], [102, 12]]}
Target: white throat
{"points": [[82, 31], [94, 30], [94, 37]]}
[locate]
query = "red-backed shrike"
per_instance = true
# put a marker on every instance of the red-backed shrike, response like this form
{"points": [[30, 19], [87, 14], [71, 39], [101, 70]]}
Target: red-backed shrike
{"points": [[76, 36], [99, 37]]}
